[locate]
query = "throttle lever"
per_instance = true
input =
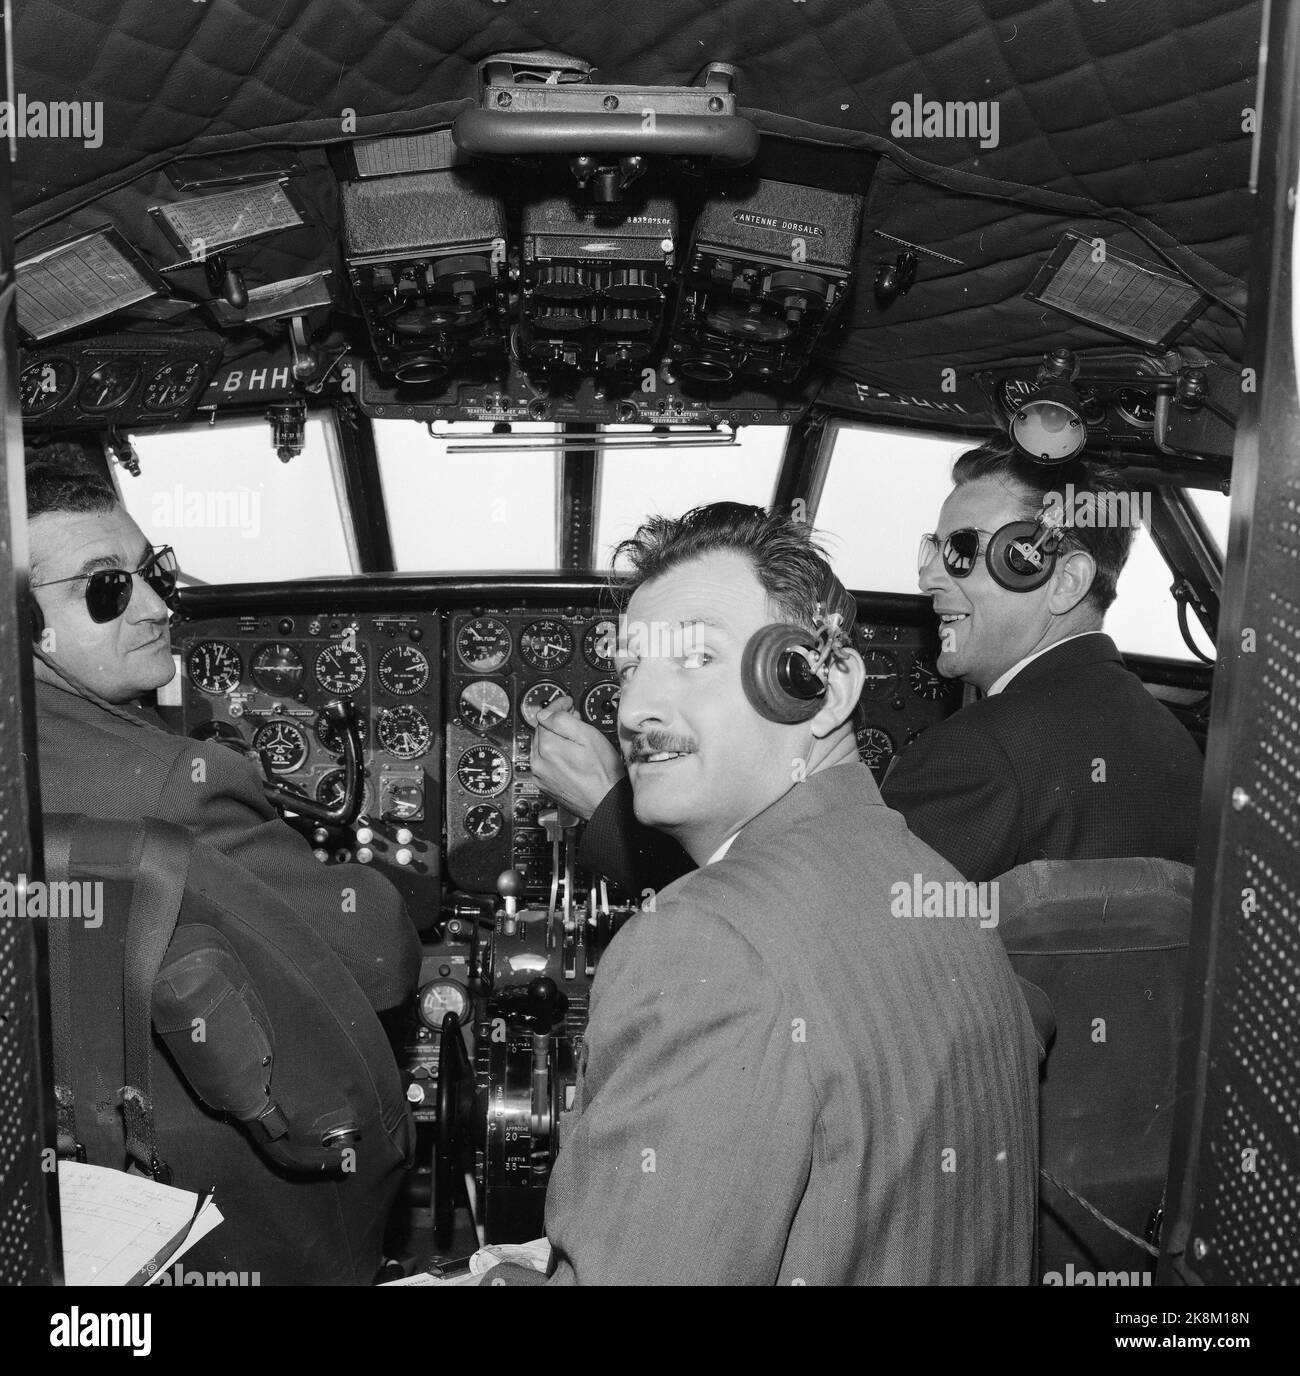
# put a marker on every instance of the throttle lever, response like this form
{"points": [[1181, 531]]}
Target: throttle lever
{"points": [[533, 1007]]}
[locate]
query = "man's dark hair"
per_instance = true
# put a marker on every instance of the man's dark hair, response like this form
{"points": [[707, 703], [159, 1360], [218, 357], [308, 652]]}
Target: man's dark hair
{"points": [[61, 477], [782, 552], [1109, 544]]}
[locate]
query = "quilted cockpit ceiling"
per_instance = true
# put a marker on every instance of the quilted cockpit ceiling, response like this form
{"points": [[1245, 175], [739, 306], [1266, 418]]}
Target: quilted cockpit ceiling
{"points": [[1118, 118]]}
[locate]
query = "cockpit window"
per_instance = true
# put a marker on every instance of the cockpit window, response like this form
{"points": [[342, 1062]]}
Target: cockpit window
{"points": [[883, 491], [466, 512], [1144, 617], [632, 484], [1214, 508], [232, 512]]}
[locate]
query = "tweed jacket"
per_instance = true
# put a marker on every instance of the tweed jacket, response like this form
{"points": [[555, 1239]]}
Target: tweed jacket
{"points": [[792, 1077]]}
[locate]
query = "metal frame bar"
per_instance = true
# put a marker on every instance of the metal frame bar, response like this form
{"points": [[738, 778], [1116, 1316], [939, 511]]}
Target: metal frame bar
{"points": [[802, 471], [1185, 545], [576, 533], [365, 492]]}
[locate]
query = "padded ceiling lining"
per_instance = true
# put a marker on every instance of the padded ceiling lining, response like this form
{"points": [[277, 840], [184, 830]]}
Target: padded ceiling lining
{"points": [[1103, 109]]}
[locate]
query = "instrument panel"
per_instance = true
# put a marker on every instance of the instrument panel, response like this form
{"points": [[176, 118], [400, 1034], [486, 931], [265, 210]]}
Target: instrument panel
{"points": [[447, 699], [504, 668], [903, 692], [259, 684], [121, 379]]}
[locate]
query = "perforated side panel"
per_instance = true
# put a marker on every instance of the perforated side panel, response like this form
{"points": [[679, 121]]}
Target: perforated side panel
{"points": [[1246, 1225], [1249, 1219], [1238, 1185], [23, 1242], [24, 1228]]}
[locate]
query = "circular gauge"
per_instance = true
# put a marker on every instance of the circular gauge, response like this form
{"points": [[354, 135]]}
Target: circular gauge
{"points": [[278, 668], [42, 386], [483, 705], [340, 669], [882, 674], [483, 821], [329, 790], [483, 771], [109, 385], [220, 731], [173, 385], [329, 737], [1013, 392], [483, 644], [600, 706], [1136, 406], [284, 744], [876, 747], [214, 667], [546, 644], [537, 699], [600, 644], [403, 670], [926, 682], [403, 801], [404, 732], [440, 997]]}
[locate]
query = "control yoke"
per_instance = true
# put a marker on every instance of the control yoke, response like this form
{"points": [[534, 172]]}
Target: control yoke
{"points": [[341, 717]]}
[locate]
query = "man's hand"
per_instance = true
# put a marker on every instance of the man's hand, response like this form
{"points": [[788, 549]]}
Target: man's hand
{"points": [[572, 761]]}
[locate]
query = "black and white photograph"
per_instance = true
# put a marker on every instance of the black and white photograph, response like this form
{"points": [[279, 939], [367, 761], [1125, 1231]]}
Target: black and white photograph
{"points": [[651, 643]]}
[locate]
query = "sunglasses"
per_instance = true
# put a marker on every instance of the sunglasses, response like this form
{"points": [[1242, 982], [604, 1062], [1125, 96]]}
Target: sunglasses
{"points": [[108, 591], [960, 551]]}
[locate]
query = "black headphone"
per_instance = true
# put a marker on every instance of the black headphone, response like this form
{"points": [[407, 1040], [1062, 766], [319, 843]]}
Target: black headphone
{"points": [[785, 666], [1021, 556]]}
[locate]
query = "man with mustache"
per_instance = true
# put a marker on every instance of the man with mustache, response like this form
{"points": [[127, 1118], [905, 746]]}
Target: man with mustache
{"points": [[1066, 756], [786, 1078], [101, 641]]}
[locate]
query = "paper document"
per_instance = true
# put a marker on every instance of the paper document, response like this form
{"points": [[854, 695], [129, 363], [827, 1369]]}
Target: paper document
{"points": [[115, 1225]]}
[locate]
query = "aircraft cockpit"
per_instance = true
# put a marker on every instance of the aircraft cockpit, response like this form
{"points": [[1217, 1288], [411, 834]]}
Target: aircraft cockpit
{"points": [[400, 356]]}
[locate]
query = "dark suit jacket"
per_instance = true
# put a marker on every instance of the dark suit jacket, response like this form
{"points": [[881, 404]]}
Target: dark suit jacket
{"points": [[1073, 760], [96, 763], [787, 1081]]}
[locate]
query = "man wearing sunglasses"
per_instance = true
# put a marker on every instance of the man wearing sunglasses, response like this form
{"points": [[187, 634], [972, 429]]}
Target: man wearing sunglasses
{"points": [[100, 607], [1066, 756]]}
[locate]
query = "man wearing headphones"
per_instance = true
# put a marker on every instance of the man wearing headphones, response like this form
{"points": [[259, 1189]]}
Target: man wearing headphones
{"points": [[1066, 757], [100, 607], [780, 1085]]}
